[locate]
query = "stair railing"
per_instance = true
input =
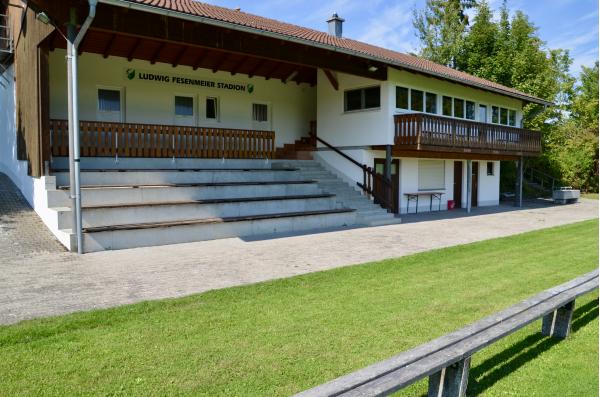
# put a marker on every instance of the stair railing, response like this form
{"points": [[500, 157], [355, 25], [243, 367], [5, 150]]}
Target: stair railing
{"points": [[374, 184], [541, 178]]}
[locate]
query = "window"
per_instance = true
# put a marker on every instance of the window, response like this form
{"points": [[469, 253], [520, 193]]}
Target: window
{"points": [[431, 175], [184, 106], [483, 113], [401, 98], [260, 112], [416, 100], [211, 108], [430, 103], [490, 168], [459, 108], [470, 110], [503, 116], [447, 106], [109, 100], [495, 115], [364, 98], [512, 118]]}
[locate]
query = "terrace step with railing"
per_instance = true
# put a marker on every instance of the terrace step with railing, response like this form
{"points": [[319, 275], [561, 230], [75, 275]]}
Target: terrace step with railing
{"points": [[133, 202]]}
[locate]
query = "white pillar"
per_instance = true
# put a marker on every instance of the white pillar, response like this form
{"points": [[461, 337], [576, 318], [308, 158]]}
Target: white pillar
{"points": [[469, 184]]}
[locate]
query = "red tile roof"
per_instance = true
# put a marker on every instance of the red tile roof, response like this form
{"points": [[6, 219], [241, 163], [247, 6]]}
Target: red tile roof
{"points": [[323, 39]]}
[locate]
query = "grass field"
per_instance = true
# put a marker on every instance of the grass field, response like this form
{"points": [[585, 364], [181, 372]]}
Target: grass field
{"points": [[591, 196], [280, 337]]}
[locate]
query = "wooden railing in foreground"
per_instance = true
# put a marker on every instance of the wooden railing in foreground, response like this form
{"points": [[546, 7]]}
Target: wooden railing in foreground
{"points": [[420, 129], [104, 139], [374, 184], [446, 360]]}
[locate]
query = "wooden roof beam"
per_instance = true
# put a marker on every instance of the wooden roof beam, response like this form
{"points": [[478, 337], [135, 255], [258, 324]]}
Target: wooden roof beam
{"points": [[332, 79], [220, 62], [201, 55], [239, 65], [157, 52], [258, 65], [133, 48], [108, 47], [291, 75], [179, 56], [271, 72]]}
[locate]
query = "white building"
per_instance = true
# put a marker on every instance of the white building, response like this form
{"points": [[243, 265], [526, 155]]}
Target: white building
{"points": [[169, 85]]}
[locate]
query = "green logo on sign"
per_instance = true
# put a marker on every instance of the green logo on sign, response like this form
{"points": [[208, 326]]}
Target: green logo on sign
{"points": [[250, 88], [130, 74]]}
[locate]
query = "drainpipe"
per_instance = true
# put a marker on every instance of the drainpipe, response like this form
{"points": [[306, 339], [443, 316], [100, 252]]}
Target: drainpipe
{"points": [[75, 115], [469, 184], [71, 33]]}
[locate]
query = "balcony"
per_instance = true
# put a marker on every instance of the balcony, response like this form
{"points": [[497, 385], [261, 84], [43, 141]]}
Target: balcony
{"points": [[430, 133]]}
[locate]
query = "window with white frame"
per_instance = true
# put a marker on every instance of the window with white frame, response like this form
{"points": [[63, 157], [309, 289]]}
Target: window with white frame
{"points": [[362, 98], [402, 98], [447, 106], [431, 174], [430, 103], [184, 106], [212, 109], [260, 112], [504, 116], [490, 168], [417, 100], [109, 100]]}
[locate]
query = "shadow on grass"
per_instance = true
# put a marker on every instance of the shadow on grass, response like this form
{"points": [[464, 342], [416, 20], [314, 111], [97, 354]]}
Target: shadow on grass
{"points": [[495, 368]]}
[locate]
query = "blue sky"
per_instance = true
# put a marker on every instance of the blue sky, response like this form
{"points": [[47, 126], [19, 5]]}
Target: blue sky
{"points": [[567, 24]]}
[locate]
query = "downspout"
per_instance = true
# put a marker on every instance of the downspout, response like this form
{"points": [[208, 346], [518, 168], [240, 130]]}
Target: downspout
{"points": [[75, 114]]}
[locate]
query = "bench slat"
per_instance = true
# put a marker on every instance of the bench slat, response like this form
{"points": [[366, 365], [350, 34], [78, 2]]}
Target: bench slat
{"points": [[536, 306]]}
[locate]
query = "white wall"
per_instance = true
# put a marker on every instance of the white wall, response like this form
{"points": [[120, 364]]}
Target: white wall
{"points": [[292, 106], [356, 128]]}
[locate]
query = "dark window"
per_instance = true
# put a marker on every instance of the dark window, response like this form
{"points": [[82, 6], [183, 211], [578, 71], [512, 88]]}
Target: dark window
{"points": [[512, 117], [401, 98], [184, 106], [490, 168], [431, 103], [109, 100], [470, 109], [372, 98], [416, 100], [211, 108], [447, 106], [495, 116], [503, 116], [459, 108], [364, 98], [259, 112]]}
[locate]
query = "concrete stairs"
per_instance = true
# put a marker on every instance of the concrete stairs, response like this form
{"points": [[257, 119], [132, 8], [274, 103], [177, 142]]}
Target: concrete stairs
{"points": [[147, 202], [346, 195]]}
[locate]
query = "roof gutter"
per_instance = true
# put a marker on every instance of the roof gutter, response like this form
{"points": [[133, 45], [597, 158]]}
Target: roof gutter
{"points": [[248, 29]]}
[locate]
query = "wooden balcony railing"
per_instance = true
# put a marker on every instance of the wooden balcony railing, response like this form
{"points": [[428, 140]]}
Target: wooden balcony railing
{"points": [[428, 132], [105, 139]]}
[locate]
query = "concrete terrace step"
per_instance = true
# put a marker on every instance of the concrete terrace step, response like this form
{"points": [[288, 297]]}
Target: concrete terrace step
{"points": [[145, 177], [107, 215], [162, 233], [98, 195]]}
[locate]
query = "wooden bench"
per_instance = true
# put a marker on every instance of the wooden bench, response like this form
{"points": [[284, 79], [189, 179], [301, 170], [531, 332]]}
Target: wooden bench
{"points": [[446, 360]]}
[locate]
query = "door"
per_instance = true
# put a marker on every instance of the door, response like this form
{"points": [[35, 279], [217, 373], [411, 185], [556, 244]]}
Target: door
{"points": [[482, 114], [110, 104], [474, 180], [380, 169], [458, 173]]}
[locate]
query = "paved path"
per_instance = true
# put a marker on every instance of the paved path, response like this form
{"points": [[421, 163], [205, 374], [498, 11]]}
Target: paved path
{"points": [[48, 281]]}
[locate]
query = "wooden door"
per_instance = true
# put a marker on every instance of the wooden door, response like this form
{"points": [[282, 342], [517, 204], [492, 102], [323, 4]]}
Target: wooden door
{"points": [[380, 169], [474, 181], [458, 174]]}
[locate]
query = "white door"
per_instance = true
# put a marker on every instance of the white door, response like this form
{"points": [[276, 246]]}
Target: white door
{"points": [[110, 105], [261, 116]]}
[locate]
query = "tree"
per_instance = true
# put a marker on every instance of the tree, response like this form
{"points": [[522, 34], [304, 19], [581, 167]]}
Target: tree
{"points": [[441, 27]]}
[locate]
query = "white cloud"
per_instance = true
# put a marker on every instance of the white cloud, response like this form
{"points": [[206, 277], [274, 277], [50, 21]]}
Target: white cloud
{"points": [[392, 28]]}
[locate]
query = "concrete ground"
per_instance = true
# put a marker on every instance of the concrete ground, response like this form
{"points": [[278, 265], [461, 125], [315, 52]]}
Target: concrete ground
{"points": [[38, 278]]}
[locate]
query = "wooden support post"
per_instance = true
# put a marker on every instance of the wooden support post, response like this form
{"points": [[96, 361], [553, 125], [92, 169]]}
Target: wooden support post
{"points": [[450, 381], [519, 184], [558, 323], [469, 184]]}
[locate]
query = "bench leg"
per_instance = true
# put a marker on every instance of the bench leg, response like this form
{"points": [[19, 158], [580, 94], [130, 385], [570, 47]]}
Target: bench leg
{"points": [[558, 323], [450, 381]]}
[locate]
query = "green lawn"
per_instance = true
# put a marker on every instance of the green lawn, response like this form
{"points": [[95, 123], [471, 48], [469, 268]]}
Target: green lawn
{"points": [[591, 196], [280, 337]]}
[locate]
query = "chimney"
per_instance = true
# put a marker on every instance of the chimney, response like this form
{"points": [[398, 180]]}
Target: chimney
{"points": [[335, 25]]}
